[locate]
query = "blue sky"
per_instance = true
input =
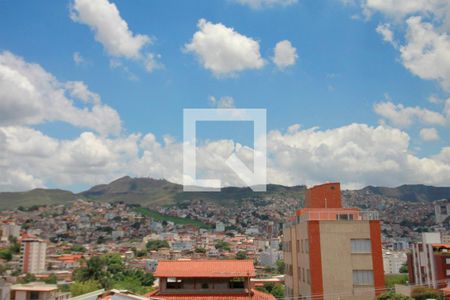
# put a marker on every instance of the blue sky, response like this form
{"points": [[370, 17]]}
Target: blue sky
{"points": [[343, 67]]}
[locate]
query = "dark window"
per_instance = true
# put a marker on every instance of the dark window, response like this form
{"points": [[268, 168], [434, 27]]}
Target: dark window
{"points": [[34, 295], [173, 283], [236, 283], [205, 286]]}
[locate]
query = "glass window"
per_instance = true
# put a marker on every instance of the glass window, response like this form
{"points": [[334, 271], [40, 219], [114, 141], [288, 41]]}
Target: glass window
{"points": [[362, 277], [174, 283], [361, 246]]}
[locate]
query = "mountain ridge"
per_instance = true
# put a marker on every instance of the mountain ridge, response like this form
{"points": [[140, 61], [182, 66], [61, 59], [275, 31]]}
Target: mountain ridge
{"points": [[153, 192]]}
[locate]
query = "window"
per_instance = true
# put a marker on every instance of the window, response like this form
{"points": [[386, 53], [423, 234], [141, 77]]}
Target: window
{"points": [[307, 246], [34, 295], [447, 261], [174, 283], [205, 285], [308, 276], [361, 246], [345, 217], [362, 277], [236, 283]]}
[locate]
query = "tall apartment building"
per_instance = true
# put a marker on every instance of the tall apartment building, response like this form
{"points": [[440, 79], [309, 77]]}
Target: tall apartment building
{"points": [[332, 252], [429, 261], [33, 255]]}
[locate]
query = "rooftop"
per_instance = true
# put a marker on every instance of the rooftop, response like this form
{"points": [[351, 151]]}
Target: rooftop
{"points": [[255, 295], [205, 268], [35, 287]]}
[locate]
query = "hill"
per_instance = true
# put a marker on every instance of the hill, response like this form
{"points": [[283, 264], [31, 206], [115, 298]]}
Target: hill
{"points": [[11, 200], [414, 193], [150, 192]]}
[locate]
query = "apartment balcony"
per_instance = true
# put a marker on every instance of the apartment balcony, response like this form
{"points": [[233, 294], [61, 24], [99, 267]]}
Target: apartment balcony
{"points": [[349, 214]]}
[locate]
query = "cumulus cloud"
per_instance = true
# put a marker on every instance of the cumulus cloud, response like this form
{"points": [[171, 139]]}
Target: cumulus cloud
{"points": [[404, 116], [424, 46], [258, 4], [30, 95], [385, 31], [111, 30], [285, 54], [429, 134], [356, 154], [399, 8], [427, 52], [222, 102], [224, 51], [78, 59]]}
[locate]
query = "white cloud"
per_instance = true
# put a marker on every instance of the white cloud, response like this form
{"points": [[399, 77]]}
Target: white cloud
{"points": [[224, 51], [285, 54], [78, 59], [222, 102], [399, 8], [111, 30], [386, 33], [404, 116], [258, 4], [424, 46], [434, 99], [427, 52], [429, 134], [357, 155], [30, 95]]}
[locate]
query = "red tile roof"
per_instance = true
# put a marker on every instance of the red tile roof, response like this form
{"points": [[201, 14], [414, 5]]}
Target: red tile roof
{"points": [[205, 268], [255, 295]]}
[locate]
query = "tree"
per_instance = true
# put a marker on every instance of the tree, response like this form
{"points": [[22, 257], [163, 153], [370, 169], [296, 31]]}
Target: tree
{"points": [[423, 293], [404, 268], [81, 288], [78, 248], [222, 245], [157, 244], [109, 271], [276, 290], [280, 266], [27, 278], [52, 279], [200, 250], [392, 296], [241, 255]]}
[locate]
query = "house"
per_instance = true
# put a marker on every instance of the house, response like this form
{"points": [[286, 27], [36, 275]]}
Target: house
{"points": [[37, 291], [206, 280]]}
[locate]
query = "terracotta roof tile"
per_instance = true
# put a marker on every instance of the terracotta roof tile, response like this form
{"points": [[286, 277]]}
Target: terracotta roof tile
{"points": [[256, 295], [205, 268]]}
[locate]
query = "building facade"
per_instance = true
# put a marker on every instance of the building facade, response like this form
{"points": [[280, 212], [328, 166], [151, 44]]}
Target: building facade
{"points": [[33, 255], [429, 261], [332, 252], [206, 280]]}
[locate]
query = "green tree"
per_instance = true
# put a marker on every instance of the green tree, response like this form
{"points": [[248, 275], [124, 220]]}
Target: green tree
{"points": [[404, 268], [157, 244], [392, 296], [280, 266], [52, 279], [78, 248], [423, 293], [276, 290], [222, 245], [81, 288], [241, 255], [27, 278]]}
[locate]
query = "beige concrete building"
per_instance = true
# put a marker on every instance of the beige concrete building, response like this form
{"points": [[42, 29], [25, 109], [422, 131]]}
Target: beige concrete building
{"points": [[33, 255], [37, 291], [332, 252]]}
